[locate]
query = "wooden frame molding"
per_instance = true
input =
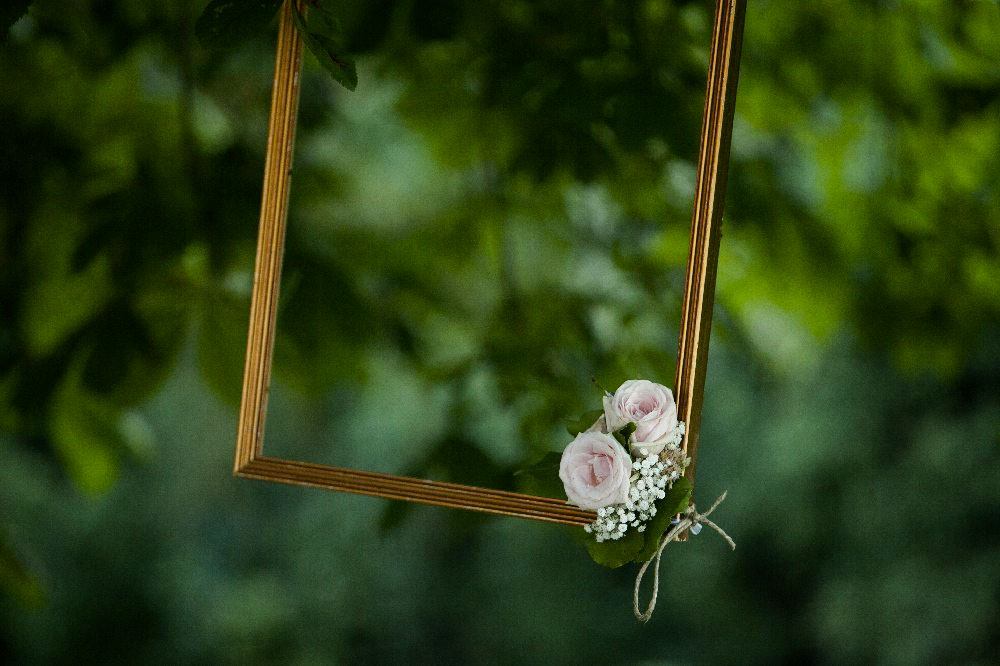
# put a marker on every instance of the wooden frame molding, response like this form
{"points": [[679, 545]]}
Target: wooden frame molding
{"points": [[696, 317], [706, 220]]}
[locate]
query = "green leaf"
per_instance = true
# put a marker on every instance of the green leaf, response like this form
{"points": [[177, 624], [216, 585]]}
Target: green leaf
{"points": [[613, 554], [610, 380], [228, 23], [394, 515], [676, 501], [639, 546], [623, 434], [576, 426], [323, 22], [59, 304], [17, 580], [542, 477], [323, 35], [222, 335], [84, 428], [10, 14], [598, 384]]}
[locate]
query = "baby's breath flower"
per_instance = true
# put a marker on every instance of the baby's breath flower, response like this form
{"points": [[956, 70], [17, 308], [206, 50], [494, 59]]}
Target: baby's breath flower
{"points": [[652, 476]]}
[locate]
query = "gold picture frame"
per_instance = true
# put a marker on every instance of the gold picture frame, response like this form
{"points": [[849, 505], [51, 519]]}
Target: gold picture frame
{"points": [[696, 313]]}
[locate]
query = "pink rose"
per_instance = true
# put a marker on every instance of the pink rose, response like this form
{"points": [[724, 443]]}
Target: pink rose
{"points": [[595, 471], [650, 407]]}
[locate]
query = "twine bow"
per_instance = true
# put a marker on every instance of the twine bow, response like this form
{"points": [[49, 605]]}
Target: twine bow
{"points": [[690, 519]]}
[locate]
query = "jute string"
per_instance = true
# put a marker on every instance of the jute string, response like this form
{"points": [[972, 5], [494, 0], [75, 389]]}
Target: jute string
{"points": [[690, 518]]}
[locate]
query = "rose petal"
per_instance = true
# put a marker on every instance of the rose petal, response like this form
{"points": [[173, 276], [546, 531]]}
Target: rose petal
{"points": [[595, 471]]}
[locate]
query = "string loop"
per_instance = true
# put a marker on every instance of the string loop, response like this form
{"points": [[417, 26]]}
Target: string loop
{"points": [[690, 519]]}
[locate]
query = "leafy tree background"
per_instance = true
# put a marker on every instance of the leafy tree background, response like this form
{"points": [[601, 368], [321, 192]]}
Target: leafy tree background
{"points": [[498, 212]]}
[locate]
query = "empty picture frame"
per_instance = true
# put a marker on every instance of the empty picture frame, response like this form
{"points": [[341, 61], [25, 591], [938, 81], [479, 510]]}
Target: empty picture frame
{"points": [[696, 313]]}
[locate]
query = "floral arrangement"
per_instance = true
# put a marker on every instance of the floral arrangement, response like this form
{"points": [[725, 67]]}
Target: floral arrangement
{"points": [[626, 463]]}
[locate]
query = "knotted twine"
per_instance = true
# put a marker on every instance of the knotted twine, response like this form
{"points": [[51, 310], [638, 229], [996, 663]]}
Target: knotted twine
{"points": [[690, 519]]}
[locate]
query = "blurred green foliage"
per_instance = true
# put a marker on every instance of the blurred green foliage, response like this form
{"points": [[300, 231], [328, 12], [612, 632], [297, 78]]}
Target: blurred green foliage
{"points": [[498, 213], [229, 23]]}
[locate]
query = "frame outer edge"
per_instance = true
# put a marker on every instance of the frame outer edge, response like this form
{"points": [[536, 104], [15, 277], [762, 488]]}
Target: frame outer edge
{"points": [[706, 220], [270, 240]]}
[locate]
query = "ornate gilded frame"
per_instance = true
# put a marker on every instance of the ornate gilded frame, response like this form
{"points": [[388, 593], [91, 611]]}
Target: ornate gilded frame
{"points": [[696, 316]]}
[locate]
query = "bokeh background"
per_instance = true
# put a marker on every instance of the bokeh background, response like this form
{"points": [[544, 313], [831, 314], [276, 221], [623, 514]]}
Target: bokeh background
{"points": [[499, 212]]}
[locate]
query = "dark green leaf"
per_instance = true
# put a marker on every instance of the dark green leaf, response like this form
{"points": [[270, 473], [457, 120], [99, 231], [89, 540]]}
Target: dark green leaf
{"points": [[9, 15], [542, 477], [134, 345], [623, 434], [321, 328], [598, 384], [676, 501], [613, 554], [394, 515], [85, 433], [221, 345], [17, 580], [576, 426], [610, 380], [228, 23], [321, 21], [322, 34]]}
